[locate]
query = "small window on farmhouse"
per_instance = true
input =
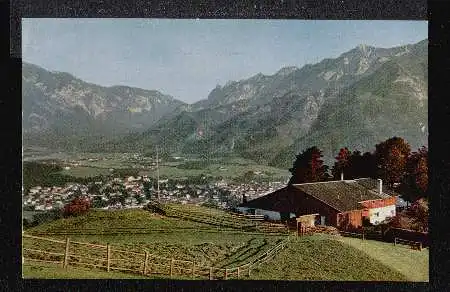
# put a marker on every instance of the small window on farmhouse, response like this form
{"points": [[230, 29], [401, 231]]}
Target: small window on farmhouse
{"points": [[377, 214]]}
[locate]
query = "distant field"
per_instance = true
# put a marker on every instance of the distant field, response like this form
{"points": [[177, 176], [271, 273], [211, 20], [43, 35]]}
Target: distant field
{"points": [[230, 167], [225, 170], [82, 171]]}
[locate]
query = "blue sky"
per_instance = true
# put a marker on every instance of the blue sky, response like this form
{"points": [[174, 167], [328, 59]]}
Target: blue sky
{"points": [[188, 58]]}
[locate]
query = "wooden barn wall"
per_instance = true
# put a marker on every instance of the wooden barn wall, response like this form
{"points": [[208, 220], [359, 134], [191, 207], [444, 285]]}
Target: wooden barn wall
{"points": [[311, 205], [350, 219]]}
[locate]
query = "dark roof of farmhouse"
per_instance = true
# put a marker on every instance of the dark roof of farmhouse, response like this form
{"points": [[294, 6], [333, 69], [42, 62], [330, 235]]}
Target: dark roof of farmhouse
{"points": [[281, 200], [341, 195]]}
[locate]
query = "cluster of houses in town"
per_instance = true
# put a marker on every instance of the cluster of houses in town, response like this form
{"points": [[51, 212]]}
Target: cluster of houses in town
{"points": [[131, 192], [48, 198]]}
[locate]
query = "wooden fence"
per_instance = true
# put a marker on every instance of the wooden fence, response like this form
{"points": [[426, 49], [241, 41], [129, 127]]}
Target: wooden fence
{"points": [[106, 257], [363, 235], [247, 216], [244, 222], [391, 233], [146, 230], [397, 240], [271, 253], [352, 234], [413, 244]]}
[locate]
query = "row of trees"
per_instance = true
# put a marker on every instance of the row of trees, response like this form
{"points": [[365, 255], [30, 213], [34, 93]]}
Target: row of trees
{"points": [[392, 161]]}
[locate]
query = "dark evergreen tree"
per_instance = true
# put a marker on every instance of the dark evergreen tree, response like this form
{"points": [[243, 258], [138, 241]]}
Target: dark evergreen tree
{"points": [[309, 167]]}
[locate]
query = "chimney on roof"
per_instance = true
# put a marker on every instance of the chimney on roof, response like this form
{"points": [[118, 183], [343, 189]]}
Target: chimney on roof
{"points": [[380, 186], [342, 175]]}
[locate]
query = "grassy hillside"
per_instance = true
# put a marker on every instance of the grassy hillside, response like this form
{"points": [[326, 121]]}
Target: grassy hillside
{"points": [[331, 258], [317, 257], [52, 271], [139, 230], [325, 258], [411, 263]]}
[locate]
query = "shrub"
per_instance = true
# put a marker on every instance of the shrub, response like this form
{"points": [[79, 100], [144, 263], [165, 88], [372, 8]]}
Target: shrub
{"points": [[154, 208], [419, 215], [76, 207]]}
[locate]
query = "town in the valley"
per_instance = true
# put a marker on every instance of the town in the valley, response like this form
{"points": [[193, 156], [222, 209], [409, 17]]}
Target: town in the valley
{"points": [[128, 191]]}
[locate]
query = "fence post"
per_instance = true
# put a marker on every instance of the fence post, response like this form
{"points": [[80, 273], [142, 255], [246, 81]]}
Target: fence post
{"points": [[66, 254], [238, 272], [395, 241], [226, 274], [108, 257], [171, 266], [210, 273], [420, 245], [145, 262]]}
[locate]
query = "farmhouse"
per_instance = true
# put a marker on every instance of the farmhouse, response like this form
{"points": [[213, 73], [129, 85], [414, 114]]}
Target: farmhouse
{"points": [[343, 204]]}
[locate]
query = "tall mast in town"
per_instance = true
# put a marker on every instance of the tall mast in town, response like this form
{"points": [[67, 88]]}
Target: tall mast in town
{"points": [[157, 169]]}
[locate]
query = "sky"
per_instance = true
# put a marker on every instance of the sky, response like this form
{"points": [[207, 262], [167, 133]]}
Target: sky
{"points": [[188, 58]]}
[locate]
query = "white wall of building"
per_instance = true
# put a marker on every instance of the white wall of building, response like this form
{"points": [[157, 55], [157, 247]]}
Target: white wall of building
{"points": [[243, 210], [272, 215], [377, 215]]}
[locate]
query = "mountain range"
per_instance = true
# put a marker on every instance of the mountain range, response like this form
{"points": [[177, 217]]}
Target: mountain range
{"points": [[60, 110], [358, 99]]}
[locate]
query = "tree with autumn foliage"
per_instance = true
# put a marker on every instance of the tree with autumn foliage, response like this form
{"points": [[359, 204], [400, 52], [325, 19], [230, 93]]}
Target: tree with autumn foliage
{"points": [[341, 164], [391, 157], [309, 167], [76, 207], [415, 182], [419, 214]]}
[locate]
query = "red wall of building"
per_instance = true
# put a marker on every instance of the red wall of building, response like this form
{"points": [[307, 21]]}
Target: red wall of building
{"points": [[350, 219], [353, 219], [379, 203]]}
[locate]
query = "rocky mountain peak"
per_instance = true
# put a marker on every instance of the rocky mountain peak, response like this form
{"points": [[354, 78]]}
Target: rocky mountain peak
{"points": [[286, 70], [58, 100]]}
